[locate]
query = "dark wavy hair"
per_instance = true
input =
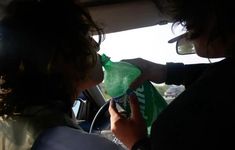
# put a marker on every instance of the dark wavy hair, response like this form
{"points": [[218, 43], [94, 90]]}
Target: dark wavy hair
{"points": [[195, 16], [39, 39]]}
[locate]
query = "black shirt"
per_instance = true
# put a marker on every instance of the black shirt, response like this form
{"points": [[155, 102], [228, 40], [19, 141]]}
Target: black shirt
{"points": [[203, 116]]}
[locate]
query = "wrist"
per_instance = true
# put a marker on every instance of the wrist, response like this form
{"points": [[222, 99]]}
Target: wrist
{"points": [[158, 73], [142, 144]]}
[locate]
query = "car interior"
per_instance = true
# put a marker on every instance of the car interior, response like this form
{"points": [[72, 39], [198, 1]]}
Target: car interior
{"points": [[118, 16], [114, 16]]}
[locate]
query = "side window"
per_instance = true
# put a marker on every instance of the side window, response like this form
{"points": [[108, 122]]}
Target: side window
{"points": [[76, 107], [86, 107], [79, 106], [172, 91]]}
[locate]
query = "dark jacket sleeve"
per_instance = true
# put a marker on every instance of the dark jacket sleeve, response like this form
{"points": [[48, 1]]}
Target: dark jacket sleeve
{"points": [[143, 144], [178, 73]]}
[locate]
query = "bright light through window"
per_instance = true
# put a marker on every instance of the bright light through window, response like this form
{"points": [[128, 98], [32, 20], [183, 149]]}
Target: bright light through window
{"points": [[150, 43]]}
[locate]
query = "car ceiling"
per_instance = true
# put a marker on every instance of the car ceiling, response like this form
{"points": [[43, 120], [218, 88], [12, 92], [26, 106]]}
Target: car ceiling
{"points": [[102, 2], [120, 15]]}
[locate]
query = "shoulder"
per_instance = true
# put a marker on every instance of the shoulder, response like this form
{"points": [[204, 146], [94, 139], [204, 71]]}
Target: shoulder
{"points": [[63, 137]]}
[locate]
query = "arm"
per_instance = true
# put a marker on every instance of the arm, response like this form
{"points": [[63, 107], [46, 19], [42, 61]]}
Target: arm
{"points": [[171, 73], [128, 130], [142, 144], [178, 73]]}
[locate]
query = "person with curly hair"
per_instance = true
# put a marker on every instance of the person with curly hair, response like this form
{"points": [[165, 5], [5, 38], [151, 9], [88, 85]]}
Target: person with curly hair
{"points": [[201, 117], [47, 58]]}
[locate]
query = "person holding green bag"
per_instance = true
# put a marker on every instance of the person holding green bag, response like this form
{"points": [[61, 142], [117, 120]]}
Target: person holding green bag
{"points": [[117, 78], [202, 116]]}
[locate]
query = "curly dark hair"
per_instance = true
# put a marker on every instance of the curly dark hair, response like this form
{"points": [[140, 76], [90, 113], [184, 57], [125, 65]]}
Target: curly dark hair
{"points": [[39, 39], [195, 16]]}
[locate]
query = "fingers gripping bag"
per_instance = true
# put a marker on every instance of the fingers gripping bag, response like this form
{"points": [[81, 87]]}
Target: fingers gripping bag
{"points": [[117, 78]]}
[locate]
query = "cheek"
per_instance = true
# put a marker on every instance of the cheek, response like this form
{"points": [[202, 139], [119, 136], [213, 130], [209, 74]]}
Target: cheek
{"points": [[200, 47], [96, 74]]}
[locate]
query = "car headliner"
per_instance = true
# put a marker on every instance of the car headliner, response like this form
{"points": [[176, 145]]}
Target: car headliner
{"points": [[119, 15]]}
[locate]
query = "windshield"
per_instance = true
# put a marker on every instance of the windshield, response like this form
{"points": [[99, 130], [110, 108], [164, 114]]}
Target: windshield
{"points": [[149, 43]]}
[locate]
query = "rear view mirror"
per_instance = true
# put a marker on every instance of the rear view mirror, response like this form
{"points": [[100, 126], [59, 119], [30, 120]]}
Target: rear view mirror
{"points": [[184, 47]]}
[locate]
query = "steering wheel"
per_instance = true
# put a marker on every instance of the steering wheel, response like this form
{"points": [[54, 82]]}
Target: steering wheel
{"points": [[106, 123], [104, 127]]}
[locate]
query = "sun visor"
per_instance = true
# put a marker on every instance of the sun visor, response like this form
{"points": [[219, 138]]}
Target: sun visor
{"points": [[175, 39]]}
